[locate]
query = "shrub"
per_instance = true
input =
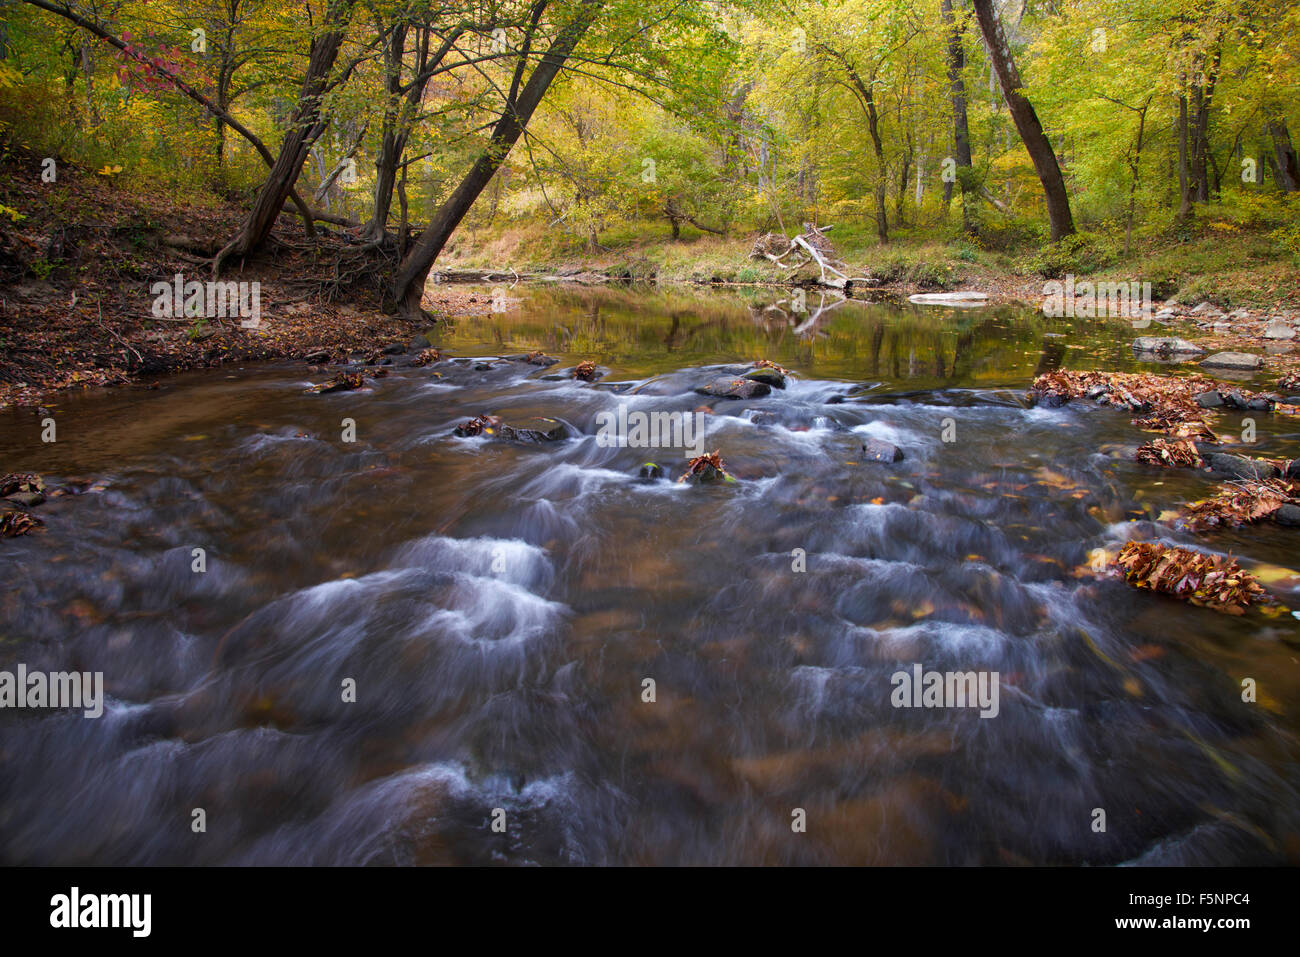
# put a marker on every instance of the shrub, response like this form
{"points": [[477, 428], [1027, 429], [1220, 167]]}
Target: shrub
{"points": [[1079, 255]]}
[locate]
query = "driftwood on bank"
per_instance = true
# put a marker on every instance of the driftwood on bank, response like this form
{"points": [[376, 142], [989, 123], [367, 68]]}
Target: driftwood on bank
{"points": [[810, 246]]}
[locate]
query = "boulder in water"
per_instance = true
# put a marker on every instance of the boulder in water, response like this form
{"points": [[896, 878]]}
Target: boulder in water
{"points": [[732, 387]]}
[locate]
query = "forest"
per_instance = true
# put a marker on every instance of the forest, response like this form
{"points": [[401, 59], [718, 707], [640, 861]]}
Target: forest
{"points": [[1021, 135]]}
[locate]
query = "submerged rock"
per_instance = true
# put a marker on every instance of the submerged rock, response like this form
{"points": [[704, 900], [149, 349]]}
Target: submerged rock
{"points": [[733, 387], [1238, 466], [651, 471], [1287, 515], [540, 429], [28, 499], [533, 359], [1233, 360], [878, 450]]}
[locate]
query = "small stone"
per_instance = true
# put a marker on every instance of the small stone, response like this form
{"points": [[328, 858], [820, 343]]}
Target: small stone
{"points": [[1233, 360], [651, 471], [418, 343], [1278, 330], [26, 498], [1209, 400], [394, 349], [879, 450]]}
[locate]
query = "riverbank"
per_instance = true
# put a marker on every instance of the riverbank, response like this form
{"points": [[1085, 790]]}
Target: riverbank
{"points": [[80, 258]]}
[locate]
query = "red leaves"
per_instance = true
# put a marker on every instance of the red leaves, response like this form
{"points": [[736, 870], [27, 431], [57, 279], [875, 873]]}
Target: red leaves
{"points": [[1211, 581], [1240, 503], [142, 70], [585, 370]]}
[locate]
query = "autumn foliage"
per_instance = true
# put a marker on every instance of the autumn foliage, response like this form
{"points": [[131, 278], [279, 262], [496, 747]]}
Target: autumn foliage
{"points": [[1212, 581]]}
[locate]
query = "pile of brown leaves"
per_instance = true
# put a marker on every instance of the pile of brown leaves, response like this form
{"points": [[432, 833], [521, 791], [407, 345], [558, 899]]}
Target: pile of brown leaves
{"points": [[1212, 581], [15, 523], [1169, 453], [1170, 396], [1240, 503], [1289, 383], [479, 425], [537, 358], [585, 370], [21, 482], [425, 356], [708, 467]]}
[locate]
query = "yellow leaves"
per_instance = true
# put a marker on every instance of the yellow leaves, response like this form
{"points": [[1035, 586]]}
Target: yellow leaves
{"points": [[109, 170]]}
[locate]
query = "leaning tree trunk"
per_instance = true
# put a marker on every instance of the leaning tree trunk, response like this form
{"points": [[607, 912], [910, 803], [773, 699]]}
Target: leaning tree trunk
{"points": [[408, 284], [1027, 122], [304, 127]]}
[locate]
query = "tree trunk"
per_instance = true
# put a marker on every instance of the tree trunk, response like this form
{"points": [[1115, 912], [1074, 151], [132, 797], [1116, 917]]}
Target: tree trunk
{"points": [[1284, 156], [1185, 189], [1134, 169], [305, 125], [408, 285], [1027, 123], [960, 127]]}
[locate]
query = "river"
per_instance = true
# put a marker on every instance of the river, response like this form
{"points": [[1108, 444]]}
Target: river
{"points": [[415, 648]]}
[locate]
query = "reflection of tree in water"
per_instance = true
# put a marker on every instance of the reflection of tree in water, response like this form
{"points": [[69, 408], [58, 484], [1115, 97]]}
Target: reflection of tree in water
{"points": [[832, 337], [1052, 356]]}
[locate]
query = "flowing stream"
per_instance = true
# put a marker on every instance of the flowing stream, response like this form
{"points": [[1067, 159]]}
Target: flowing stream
{"points": [[498, 608]]}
